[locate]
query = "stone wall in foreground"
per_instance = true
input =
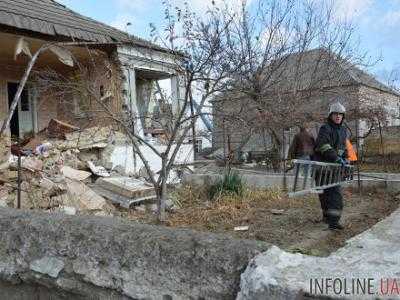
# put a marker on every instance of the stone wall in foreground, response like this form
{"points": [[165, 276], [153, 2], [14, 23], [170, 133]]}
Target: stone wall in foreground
{"points": [[70, 257]]}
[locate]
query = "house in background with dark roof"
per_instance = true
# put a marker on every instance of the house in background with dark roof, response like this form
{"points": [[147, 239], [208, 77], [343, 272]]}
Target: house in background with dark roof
{"points": [[131, 65], [299, 88]]}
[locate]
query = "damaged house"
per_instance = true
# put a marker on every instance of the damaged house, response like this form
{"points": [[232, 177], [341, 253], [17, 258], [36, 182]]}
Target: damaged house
{"points": [[89, 86], [298, 89], [124, 69]]}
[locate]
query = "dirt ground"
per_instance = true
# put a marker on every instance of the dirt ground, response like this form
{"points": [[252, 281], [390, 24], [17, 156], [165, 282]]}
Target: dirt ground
{"points": [[296, 229]]}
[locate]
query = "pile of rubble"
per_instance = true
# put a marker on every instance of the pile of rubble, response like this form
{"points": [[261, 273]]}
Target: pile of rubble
{"points": [[61, 171]]}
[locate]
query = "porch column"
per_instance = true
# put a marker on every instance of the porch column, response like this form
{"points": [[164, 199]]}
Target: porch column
{"points": [[130, 98], [177, 93]]}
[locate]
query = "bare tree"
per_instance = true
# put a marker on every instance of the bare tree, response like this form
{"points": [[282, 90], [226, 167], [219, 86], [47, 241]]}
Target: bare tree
{"points": [[291, 54]]}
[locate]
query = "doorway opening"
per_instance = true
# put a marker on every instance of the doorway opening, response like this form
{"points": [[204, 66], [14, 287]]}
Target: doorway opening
{"points": [[21, 121]]}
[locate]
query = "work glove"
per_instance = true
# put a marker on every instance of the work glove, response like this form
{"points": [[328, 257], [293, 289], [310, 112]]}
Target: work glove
{"points": [[341, 161]]}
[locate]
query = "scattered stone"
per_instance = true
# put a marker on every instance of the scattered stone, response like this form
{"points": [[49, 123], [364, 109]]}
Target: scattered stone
{"points": [[84, 198], [60, 200], [31, 163], [47, 265], [98, 170], [51, 188], [102, 213], [5, 144], [277, 211], [12, 175], [241, 228], [108, 165], [58, 129], [89, 155], [94, 137], [32, 197], [74, 174], [120, 170], [68, 210], [4, 197], [58, 179]]}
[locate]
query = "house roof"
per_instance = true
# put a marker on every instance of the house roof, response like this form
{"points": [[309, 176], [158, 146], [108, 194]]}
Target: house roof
{"points": [[320, 68], [54, 19]]}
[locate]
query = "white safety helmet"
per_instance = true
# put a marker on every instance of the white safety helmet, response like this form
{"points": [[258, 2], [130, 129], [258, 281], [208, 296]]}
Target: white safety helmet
{"points": [[337, 108]]}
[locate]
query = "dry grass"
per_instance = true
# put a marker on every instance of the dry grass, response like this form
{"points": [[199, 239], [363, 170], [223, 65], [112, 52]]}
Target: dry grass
{"points": [[296, 228], [226, 211]]}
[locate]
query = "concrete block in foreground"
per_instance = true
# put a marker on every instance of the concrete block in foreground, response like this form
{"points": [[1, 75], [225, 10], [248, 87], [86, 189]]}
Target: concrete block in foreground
{"points": [[70, 257]]}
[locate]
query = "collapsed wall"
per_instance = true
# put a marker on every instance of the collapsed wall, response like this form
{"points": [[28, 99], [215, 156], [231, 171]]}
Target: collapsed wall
{"points": [[111, 258]]}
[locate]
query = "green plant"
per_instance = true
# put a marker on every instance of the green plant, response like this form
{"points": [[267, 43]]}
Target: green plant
{"points": [[231, 183]]}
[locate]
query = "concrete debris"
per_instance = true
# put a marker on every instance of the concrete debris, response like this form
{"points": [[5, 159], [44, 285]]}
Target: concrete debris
{"points": [[241, 228], [277, 211], [3, 203], [98, 170], [12, 175], [4, 151], [75, 174], [58, 129], [85, 198], [51, 188], [31, 163], [91, 138], [4, 194], [126, 186], [92, 155], [124, 191], [68, 210], [120, 170], [32, 197], [60, 164], [143, 173]]}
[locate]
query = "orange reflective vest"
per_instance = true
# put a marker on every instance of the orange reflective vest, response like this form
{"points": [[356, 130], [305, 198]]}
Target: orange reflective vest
{"points": [[351, 154]]}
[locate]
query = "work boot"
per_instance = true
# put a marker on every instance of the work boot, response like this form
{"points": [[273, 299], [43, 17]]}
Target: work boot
{"points": [[336, 226]]}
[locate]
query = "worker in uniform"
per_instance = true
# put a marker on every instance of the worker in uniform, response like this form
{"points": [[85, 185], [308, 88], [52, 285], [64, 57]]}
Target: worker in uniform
{"points": [[331, 147]]}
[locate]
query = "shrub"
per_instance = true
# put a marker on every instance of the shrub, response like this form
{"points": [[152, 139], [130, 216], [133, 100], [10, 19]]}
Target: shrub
{"points": [[230, 184]]}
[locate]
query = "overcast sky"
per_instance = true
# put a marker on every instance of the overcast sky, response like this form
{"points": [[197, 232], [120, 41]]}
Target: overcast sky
{"points": [[377, 21]]}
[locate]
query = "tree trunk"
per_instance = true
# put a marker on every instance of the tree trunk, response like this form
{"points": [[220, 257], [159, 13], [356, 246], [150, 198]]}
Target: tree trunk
{"points": [[162, 192], [21, 86], [193, 123]]}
